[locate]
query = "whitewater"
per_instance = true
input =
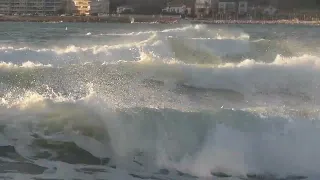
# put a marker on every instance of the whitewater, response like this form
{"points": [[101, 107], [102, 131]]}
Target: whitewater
{"points": [[161, 102]]}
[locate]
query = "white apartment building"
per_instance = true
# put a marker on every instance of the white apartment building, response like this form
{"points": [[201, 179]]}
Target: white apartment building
{"points": [[179, 7], [4, 6], [204, 7], [39, 7], [242, 7], [226, 7]]}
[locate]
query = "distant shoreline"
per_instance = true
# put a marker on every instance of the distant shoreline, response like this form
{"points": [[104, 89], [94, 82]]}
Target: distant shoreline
{"points": [[109, 18], [288, 22], [144, 19]]}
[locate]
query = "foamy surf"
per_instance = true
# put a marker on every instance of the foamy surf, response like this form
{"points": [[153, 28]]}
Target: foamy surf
{"points": [[139, 101], [27, 64], [233, 146]]}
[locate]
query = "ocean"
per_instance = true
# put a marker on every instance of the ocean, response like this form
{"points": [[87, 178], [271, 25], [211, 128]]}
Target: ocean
{"points": [[93, 101]]}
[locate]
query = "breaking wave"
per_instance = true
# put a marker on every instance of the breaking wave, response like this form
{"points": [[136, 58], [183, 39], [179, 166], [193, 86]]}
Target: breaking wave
{"points": [[187, 102], [234, 142]]}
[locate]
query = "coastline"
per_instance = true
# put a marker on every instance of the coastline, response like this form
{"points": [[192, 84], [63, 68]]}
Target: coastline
{"points": [[156, 19], [103, 19]]}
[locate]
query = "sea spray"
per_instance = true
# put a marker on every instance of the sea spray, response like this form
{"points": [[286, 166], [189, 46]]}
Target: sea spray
{"points": [[139, 101]]}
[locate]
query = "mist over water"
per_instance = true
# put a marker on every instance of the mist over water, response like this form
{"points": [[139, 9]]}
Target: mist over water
{"points": [[139, 101]]}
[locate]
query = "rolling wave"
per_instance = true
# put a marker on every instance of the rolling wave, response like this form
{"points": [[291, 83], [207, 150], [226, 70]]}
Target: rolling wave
{"points": [[234, 142], [284, 78], [160, 102]]}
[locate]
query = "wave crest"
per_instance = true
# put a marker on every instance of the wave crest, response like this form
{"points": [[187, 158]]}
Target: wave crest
{"points": [[229, 141]]}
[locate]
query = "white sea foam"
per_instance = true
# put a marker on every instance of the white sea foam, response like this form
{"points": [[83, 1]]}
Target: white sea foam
{"points": [[296, 76], [124, 48], [27, 64], [183, 121], [234, 142]]}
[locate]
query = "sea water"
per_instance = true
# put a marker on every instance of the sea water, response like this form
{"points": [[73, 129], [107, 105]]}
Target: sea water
{"points": [[138, 101]]}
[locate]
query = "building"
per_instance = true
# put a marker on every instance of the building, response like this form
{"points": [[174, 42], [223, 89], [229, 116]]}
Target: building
{"points": [[4, 6], [51, 7], [99, 6], [227, 7], [270, 11], [242, 7], [151, 7], [204, 7], [81, 7], [124, 9], [78, 7], [114, 4], [32, 7], [179, 7]]}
